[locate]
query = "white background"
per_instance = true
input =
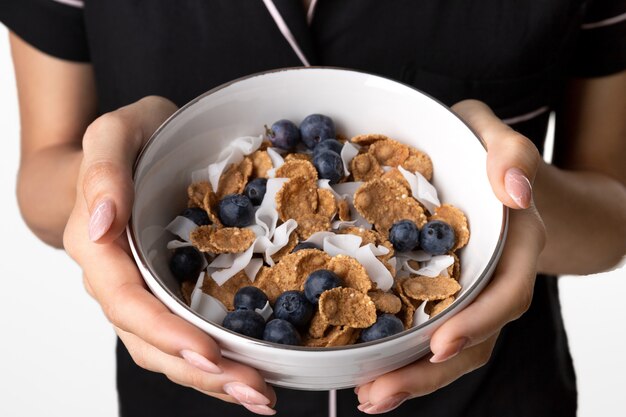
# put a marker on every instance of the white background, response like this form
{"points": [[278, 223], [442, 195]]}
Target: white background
{"points": [[57, 351]]}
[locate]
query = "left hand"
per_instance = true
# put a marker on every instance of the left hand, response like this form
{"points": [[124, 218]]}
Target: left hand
{"points": [[465, 342]]}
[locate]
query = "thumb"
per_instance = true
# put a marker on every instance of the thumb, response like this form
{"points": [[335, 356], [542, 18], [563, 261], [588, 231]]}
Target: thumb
{"points": [[110, 146], [512, 159]]}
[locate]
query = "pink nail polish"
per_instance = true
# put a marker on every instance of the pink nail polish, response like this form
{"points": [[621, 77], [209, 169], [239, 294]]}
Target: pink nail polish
{"points": [[260, 409], [245, 394], [450, 351], [101, 219], [518, 187], [364, 406], [387, 405], [198, 361]]}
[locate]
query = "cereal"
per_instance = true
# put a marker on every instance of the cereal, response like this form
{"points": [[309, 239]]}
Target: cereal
{"points": [[419, 162], [264, 282], [326, 204], [454, 270], [427, 289], [297, 168], [186, 288], [311, 223], [261, 163], [210, 204], [298, 157], [351, 272], [336, 336], [285, 250], [368, 139], [455, 218], [307, 261], [384, 202], [365, 167], [222, 240], [432, 308], [367, 236], [226, 292], [318, 325], [196, 193], [347, 307], [235, 178], [296, 198], [385, 302], [343, 209], [407, 311], [389, 152], [395, 175]]}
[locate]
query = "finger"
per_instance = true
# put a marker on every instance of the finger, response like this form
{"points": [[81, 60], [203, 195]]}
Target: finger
{"points": [[420, 378], [505, 299], [237, 384], [110, 146], [512, 159]]}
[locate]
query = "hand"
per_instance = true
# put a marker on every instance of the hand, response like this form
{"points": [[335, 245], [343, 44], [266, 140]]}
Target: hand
{"points": [[156, 339], [465, 342]]}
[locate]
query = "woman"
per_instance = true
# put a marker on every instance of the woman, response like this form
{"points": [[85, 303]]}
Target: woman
{"points": [[84, 68]]}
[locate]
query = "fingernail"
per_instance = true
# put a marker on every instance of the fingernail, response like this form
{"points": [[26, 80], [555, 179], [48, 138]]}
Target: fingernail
{"points": [[356, 390], [101, 219], [245, 394], [450, 351], [386, 405], [518, 187], [260, 409], [200, 362], [364, 406]]}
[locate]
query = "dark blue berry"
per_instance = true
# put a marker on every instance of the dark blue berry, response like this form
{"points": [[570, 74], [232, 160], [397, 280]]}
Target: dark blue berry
{"points": [[236, 210], [249, 298], [196, 215], [281, 331], [329, 165], [304, 245], [316, 128], [255, 190], [404, 235], [245, 322], [186, 263], [319, 281], [328, 145], [284, 134], [293, 307], [386, 325], [437, 237]]}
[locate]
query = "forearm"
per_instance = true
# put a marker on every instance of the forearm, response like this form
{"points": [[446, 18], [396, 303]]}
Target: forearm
{"points": [[46, 190], [585, 219]]}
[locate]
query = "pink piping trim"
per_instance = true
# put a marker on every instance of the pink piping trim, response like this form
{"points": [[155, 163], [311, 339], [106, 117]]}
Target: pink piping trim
{"points": [[310, 13], [284, 29], [527, 116], [606, 22], [74, 3]]}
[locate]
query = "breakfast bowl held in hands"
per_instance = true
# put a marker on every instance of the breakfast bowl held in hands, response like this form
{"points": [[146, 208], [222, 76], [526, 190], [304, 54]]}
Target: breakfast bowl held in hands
{"points": [[361, 245]]}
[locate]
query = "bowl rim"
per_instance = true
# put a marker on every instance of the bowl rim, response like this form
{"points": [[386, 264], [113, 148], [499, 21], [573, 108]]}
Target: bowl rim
{"points": [[486, 273]]}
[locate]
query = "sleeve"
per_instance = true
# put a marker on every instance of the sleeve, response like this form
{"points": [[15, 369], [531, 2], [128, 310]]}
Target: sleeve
{"points": [[55, 27], [601, 45]]}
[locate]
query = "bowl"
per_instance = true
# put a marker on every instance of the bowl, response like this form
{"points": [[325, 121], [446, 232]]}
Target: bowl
{"points": [[359, 103]]}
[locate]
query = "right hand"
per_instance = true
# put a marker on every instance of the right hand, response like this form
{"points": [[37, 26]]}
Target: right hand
{"points": [[94, 237]]}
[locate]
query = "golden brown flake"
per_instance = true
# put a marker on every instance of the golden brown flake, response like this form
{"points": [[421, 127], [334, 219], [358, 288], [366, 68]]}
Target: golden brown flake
{"points": [[326, 204], [307, 261], [297, 168], [426, 288], [296, 198], [343, 208], [318, 326], [285, 250], [226, 292], [235, 178], [311, 223], [454, 270], [395, 175], [352, 273], [407, 311], [457, 220], [196, 193], [264, 281], [389, 152], [386, 302], [186, 288], [210, 205], [261, 163], [335, 336], [368, 139], [347, 307], [419, 162], [365, 167], [432, 308], [298, 157], [222, 240]]}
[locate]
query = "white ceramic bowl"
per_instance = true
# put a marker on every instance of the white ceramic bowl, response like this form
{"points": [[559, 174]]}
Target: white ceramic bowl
{"points": [[358, 103]]}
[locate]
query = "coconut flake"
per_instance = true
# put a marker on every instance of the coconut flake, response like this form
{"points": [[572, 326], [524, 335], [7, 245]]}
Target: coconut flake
{"points": [[422, 190], [175, 244], [348, 152], [239, 262], [420, 315], [377, 272], [279, 241], [266, 311], [342, 245], [253, 268], [182, 227], [266, 215], [317, 238], [436, 266], [277, 161], [232, 154], [342, 224], [208, 307]]}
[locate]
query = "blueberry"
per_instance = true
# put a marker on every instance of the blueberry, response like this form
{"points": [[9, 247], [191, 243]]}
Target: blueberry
{"points": [[437, 237], [293, 307], [245, 322], [385, 326], [249, 298], [196, 215], [304, 245], [281, 331], [329, 165], [255, 190], [236, 210], [284, 134], [316, 128], [328, 145], [319, 281], [404, 235], [186, 263]]}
